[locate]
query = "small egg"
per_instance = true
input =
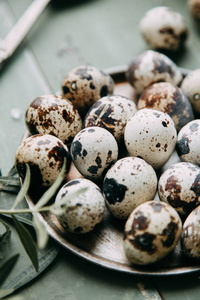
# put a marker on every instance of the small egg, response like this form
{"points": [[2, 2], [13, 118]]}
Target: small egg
{"points": [[151, 135], [179, 185], [45, 155], [188, 142], [190, 234], [112, 113], [150, 67], [83, 211], [127, 184], [93, 151], [190, 87], [84, 85], [164, 28], [194, 8], [167, 97], [53, 114], [151, 232]]}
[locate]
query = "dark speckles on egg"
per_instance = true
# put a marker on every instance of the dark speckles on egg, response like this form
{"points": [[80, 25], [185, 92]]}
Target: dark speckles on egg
{"points": [[114, 192]]}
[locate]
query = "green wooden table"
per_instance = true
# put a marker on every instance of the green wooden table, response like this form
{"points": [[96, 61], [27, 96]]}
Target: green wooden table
{"points": [[103, 33]]}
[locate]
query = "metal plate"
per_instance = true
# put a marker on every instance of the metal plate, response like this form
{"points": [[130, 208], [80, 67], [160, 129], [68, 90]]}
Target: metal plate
{"points": [[104, 245]]}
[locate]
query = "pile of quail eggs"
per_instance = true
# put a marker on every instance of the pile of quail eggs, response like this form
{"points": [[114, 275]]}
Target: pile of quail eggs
{"points": [[140, 158]]}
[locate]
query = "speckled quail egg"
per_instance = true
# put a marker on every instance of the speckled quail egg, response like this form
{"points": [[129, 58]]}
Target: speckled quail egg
{"points": [[127, 184], [150, 67], [151, 135], [190, 234], [45, 155], [93, 151], [190, 87], [164, 28], [188, 142], [53, 114], [167, 97], [179, 185], [151, 232], [84, 85], [112, 113], [83, 211], [194, 7]]}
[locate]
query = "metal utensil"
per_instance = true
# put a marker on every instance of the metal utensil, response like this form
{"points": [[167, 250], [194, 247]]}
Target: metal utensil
{"points": [[20, 30]]}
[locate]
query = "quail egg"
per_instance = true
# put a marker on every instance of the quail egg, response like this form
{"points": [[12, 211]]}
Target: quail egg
{"points": [[45, 155], [151, 135], [112, 113], [150, 67], [84, 211], [52, 114], [190, 87], [128, 183], [164, 28], [84, 85], [167, 97], [188, 142], [194, 7], [94, 150], [151, 232], [179, 185]]}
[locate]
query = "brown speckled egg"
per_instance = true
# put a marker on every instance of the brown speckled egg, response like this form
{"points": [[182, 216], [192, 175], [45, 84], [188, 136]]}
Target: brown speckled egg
{"points": [[52, 114], [167, 97], [179, 185], [84, 211], [151, 135], [188, 142], [150, 67], [194, 7], [190, 234], [127, 184], [84, 85], [164, 28], [152, 231], [93, 151], [45, 155], [190, 87], [112, 113]]}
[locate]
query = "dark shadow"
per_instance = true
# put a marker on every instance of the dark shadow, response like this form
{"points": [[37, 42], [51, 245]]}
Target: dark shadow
{"points": [[64, 4]]}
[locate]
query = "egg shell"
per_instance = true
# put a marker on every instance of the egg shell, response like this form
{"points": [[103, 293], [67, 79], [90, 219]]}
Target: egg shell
{"points": [[190, 87], [164, 28], [112, 113], [167, 97], [45, 156], [151, 135], [127, 184], [53, 114], [188, 142], [83, 211], [93, 151], [151, 232], [190, 234], [150, 67], [84, 85], [194, 7], [179, 185]]}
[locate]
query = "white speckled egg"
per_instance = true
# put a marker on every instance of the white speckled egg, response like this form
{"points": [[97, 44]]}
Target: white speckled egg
{"points": [[190, 87], [152, 231], [188, 142], [93, 151], [167, 97], [127, 184], [190, 234], [151, 135], [45, 155], [164, 28], [179, 185], [84, 85], [83, 211], [52, 114], [112, 113], [150, 67]]}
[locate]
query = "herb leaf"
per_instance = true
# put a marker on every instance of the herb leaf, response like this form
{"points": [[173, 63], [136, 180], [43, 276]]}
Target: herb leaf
{"points": [[4, 241], [7, 267], [41, 232]]}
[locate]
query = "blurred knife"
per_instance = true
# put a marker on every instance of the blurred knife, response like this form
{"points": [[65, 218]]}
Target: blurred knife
{"points": [[20, 30]]}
